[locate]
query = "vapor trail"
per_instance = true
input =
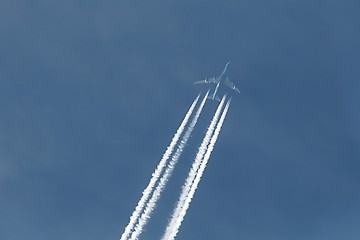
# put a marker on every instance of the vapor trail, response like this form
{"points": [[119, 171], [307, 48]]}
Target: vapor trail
{"points": [[151, 204], [170, 229], [156, 174], [199, 174]]}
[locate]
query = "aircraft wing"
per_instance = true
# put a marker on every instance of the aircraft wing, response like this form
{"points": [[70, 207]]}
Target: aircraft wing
{"points": [[209, 80], [231, 85]]}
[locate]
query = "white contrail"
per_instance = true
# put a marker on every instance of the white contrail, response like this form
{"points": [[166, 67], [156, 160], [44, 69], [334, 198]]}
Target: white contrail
{"points": [[151, 204], [192, 174], [199, 174], [156, 174]]}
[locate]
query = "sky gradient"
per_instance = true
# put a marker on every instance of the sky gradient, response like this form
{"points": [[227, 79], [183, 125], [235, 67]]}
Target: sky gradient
{"points": [[91, 93]]}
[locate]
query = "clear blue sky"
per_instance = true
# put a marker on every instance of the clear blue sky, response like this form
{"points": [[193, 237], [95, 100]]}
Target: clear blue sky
{"points": [[91, 93]]}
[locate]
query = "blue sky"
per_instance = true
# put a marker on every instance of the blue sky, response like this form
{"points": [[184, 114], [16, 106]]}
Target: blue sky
{"points": [[91, 93]]}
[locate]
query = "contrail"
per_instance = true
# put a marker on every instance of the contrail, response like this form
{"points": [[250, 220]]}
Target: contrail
{"points": [[192, 174], [151, 204], [199, 174], [156, 174]]}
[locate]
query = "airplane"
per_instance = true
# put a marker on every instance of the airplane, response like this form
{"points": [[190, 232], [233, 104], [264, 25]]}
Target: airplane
{"points": [[218, 80]]}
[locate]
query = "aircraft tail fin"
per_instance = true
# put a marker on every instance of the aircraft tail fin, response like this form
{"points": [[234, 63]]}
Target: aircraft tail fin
{"points": [[212, 97]]}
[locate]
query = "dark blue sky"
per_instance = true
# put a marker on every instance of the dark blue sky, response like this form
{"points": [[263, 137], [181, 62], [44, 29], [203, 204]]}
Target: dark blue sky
{"points": [[91, 93]]}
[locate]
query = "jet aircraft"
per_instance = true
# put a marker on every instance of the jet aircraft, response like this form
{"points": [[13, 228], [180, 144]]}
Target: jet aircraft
{"points": [[218, 80]]}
